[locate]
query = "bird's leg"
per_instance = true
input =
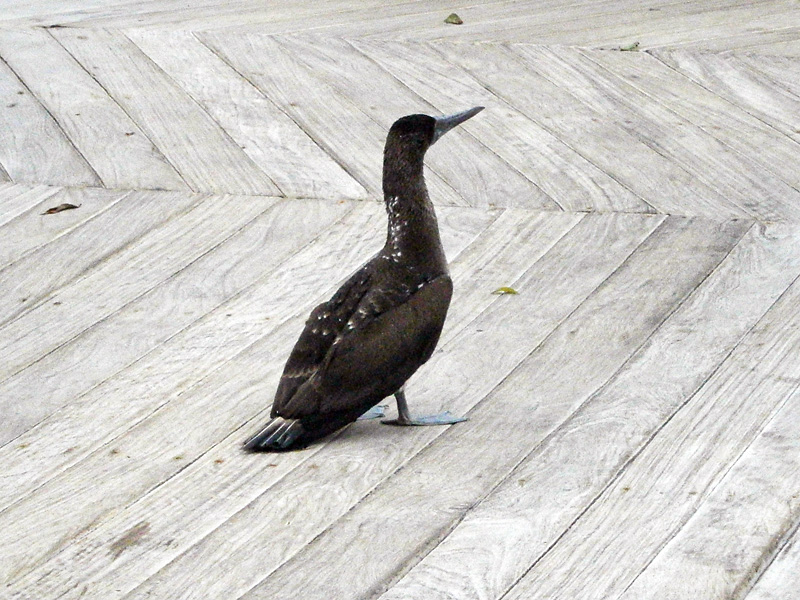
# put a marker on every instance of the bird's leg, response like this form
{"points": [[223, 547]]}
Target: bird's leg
{"points": [[404, 417]]}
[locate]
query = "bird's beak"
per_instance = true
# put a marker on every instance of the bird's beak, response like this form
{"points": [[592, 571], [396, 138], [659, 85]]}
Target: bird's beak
{"points": [[445, 124]]}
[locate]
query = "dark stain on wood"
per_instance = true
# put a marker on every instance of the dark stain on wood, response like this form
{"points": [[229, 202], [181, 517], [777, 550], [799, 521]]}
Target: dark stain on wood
{"points": [[131, 538]]}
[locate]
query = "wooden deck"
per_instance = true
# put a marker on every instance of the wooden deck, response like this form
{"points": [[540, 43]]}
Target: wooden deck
{"points": [[634, 411]]}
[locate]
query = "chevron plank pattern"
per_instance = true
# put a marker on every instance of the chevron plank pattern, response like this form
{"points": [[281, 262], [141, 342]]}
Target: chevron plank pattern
{"points": [[633, 410]]}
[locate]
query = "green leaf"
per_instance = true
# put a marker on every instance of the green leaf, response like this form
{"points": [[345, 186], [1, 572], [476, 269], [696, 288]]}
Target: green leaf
{"points": [[630, 47], [453, 19], [505, 290]]}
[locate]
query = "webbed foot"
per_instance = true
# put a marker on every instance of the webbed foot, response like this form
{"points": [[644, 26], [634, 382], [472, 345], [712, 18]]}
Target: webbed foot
{"points": [[376, 412], [444, 418]]}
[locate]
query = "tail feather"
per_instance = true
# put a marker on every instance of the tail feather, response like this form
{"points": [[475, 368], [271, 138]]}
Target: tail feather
{"points": [[278, 434]]}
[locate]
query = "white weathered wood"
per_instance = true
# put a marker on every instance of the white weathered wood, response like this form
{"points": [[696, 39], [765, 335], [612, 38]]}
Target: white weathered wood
{"points": [[345, 132], [119, 279], [465, 163], [266, 134], [33, 148], [195, 144], [118, 151], [657, 492], [737, 82], [162, 312], [503, 536], [257, 366], [718, 117], [473, 389], [420, 503], [653, 177], [30, 280], [745, 187], [17, 199], [782, 577], [33, 229], [571, 181], [736, 532]]}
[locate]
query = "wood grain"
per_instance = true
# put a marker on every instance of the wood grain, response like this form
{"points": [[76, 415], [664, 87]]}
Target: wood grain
{"points": [[16, 199], [33, 148], [196, 146], [266, 134], [33, 229], [502, 537], [118, 151], [30, 280], [150, 459], [474, 170], [650, 175], [658, 492]]}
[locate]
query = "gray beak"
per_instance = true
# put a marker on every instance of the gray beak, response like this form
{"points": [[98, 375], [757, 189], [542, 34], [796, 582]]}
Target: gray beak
{"points": [[445, 124]]}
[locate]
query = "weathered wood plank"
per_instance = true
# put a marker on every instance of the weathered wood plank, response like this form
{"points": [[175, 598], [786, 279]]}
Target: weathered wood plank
{"points": [[654, 495], [449, 476], [236, 377], [564, 175], [336, 124], [119, 279], [465, 163], [16, 199], [33, 148], [503, 536], [653, 177], [736, 532], [160, 314], [118, 151], [718, 117], [206, 158], [282, 532], [782, 576], [266, 134], [737, 82], [744, 184], [27, 283], [33, 229]]}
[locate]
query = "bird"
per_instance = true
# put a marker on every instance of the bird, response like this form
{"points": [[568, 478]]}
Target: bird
{"points": [[384, 322]]}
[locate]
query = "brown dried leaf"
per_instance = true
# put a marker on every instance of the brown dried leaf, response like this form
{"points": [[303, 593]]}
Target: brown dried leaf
{"points": [[60, 208]]}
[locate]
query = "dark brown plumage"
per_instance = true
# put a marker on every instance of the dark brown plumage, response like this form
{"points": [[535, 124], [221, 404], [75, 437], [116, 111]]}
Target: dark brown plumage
{"points": [[364, 343]]}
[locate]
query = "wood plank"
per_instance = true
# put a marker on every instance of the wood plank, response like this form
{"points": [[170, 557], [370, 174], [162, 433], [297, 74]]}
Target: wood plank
{"points": [[449, 476], [464, 162], [33, 148], [118, 151], [745, 185], [655, 494], [121, 278], [650, 175], [27, 284], [736, 532], [782, 577], [554, 284], [258, 362], [562, 174], [206, 157], [737, 82], [718, 117], [510, 249], [504, 535], [266, 134], [346, 133], [33, 229], [16, 199], [163, 312]]}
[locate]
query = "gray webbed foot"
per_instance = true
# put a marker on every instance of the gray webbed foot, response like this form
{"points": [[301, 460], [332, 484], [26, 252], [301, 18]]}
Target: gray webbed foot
{"points": [[405, 418], [376, 412]]}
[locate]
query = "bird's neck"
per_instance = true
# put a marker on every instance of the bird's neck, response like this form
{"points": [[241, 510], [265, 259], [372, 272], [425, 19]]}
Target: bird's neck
{"points": [[413, 231]]}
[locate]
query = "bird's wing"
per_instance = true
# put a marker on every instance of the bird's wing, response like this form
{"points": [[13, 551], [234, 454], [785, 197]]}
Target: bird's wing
{"points": [[323, 327], [390, 339]]}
